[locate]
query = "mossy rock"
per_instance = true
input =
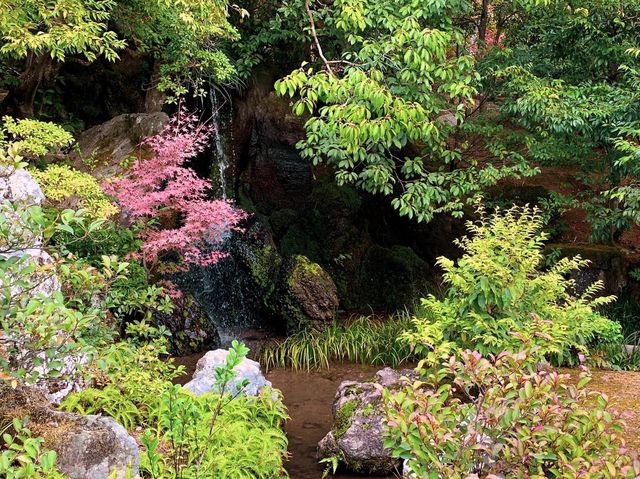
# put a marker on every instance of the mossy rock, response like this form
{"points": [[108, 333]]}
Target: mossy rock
{"points": [[357, 436], [88, 447], [309, 295]]}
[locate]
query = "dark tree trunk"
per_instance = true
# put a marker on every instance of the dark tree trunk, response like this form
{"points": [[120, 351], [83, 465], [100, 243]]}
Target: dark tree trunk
{"points": [[22, 97], [154, 98], [484, 22]]}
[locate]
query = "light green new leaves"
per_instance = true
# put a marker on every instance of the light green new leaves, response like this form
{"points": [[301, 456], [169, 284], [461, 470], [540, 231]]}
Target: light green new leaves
{"points": [[58, 29], [383, 114]]}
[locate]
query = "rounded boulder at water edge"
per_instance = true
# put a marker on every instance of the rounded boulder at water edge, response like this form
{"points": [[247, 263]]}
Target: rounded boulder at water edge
{"points": [[358, 429], [203, 380]]}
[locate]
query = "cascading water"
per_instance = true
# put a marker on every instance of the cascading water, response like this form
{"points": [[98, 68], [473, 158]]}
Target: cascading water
{"points": [[230, 292], [221, 120]]}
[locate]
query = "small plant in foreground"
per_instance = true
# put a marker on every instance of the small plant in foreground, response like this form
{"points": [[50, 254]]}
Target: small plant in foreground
{"points": [[23, 456], [498, 417]]}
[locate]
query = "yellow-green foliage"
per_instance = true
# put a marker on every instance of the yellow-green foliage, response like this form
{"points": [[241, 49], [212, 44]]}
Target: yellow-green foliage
{"points": [[63, 185], [32, 137], [499, 293]]}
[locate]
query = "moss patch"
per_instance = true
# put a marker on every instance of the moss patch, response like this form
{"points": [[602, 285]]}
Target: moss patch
{"points": [[343, 418]]}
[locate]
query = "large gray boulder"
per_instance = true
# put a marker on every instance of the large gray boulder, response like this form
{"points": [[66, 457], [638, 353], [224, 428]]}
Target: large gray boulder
{"points": [[107, 145], [19, 185], [88, 447], [203, 380], [359, 425]]}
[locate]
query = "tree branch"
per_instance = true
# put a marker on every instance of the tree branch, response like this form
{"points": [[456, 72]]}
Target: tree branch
{"points": [[312, 22]]}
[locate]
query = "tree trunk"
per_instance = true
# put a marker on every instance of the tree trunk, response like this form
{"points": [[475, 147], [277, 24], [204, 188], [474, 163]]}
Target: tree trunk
{"points": [[22, 97], [154, 98], [484, 22]]}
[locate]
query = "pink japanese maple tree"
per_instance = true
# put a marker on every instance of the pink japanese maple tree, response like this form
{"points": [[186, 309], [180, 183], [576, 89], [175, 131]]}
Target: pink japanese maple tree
{"points": [[163, 184]]}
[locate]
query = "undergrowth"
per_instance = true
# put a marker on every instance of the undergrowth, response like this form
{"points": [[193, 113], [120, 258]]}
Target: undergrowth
{"points": [[367, 340]]}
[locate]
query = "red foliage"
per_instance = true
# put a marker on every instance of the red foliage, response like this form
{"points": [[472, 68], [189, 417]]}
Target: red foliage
{"points": [[163, 184]]}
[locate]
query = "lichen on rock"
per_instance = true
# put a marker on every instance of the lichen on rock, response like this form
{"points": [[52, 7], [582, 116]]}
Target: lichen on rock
{"points": [[356, 438]]}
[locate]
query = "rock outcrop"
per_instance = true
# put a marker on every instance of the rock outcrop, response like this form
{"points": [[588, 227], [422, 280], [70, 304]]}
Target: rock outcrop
{"points": [[191, 329], [109, 144], [255, 287], [357, 435], [248, 371], [88, 447], [309, 295]]}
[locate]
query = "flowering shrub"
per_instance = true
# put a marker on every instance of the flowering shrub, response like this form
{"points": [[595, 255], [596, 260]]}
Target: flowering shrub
{"points": [[497, 417], [163, 186], [498, 293]]}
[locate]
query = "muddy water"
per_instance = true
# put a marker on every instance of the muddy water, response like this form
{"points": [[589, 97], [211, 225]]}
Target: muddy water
{"points": [[308, 397]]}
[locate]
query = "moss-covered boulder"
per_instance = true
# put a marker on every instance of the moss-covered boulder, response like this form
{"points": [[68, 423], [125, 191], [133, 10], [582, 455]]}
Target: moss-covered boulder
{"points": [[88, 447], [356, 438], [309, 297]]}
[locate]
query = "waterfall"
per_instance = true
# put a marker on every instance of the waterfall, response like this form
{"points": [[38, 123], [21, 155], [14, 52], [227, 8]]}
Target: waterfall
{"points": [[231, 292], [221, 120]]}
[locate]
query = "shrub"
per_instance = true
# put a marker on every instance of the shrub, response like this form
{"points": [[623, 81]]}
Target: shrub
{"points": [[32, 138], [24, 457], [496, 292], [66, 187], [491, 417], [212, 436], [367, 340]]}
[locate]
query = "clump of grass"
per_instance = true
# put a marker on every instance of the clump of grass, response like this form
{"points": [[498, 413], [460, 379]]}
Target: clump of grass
{"points": [[367, 340]]}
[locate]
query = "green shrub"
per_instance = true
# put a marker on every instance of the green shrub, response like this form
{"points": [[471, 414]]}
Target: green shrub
{"points": [[367, 340], [22, 455], [212, 436], [497, 295], [491, 417], [66, 187]]}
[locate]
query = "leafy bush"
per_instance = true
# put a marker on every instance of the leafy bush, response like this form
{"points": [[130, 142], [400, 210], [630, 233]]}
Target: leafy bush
{"points": [[67, 187], [215, 435], [24, 457], [366, 339], [32, 137], [490, 417], [497, 294], [164, 187], [130, 377]]}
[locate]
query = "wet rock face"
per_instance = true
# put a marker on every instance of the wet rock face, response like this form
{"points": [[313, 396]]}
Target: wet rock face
{"points": [[277, 176], [237, 292], [88, 447], [357, 435], [254, 287], [204, 377], [191, 329]]}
